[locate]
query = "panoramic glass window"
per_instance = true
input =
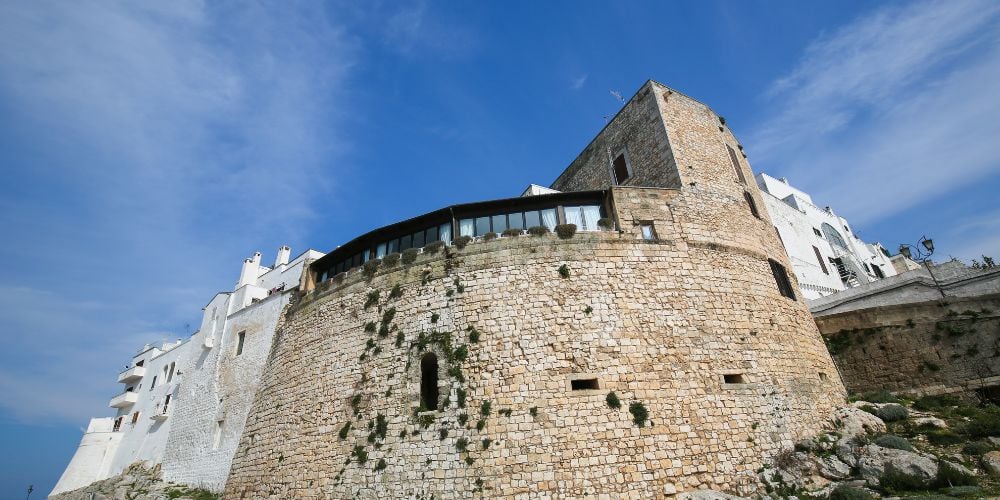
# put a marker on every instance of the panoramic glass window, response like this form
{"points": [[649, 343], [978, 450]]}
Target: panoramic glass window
{"points": [[532, 218], [515, 220], [585, 217], [499, 223], [482, 225], [444, 233]]}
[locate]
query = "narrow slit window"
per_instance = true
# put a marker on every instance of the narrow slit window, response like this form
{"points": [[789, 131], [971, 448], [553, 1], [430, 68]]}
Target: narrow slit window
{"points": [[819, 258], [240, 338], [736, 165], [429, 381], [621, 168], [733, 378], [584, 384], [781, 279], [135, 417], [752, 204], [648, 231]]}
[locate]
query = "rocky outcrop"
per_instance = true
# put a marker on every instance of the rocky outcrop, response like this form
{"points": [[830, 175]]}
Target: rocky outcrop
{"points": [[135, 483]]}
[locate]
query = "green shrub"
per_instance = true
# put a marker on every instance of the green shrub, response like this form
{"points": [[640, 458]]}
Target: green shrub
{"points": [[564, 271], [443, 433], [372, 299], [930, 403], [877, 397], [847, 492], [381, 465], [984, 423], [410, 256], [511, 233], [605, 223], [950, 475], [566, 231], [400, 338], [396, 292], [460, 393], [588, 310], [486, 443], [893, 480], [538, 230], [962, 491], [461, 444], [462, 241], [434, 247], [894, 442], [978, 448], [463, 418], [943, 437], [473, 335], [613, 401], [480, 425], [391, 259], [435, 317], [344, 430], [370, 327], [489, 236], [533, 411], [484, 409], [892, 412], [360, 453], [639, 413], [369, 267]]}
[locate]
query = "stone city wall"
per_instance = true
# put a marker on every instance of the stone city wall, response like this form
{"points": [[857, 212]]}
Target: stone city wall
{"points": [[729, 371], [934, 347]]}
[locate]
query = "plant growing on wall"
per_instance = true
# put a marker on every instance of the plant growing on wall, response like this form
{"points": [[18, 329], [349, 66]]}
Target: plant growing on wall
{"points": [[473, 334], [370, 327], [344, 430], [381, 465], [434, 247], [434, 317], [538, 230], [396, 292], [410, 256], [566, 231], [489, 236], [462, 241], [639, 413], [564, 271], [372, 298], [369, 267], [462, 444], [613, 402], [588, 310], [511, 233], [360, 453], [605, 223], [391, 259]]}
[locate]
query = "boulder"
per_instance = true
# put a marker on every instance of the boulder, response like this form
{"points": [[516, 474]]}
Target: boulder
{"points": [[991, 462], [875, 463], [851, 422], [934, 422], [833, 468]]}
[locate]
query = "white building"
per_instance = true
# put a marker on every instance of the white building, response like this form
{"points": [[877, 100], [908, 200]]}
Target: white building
{"points": [[826, 255], [183, 404]]}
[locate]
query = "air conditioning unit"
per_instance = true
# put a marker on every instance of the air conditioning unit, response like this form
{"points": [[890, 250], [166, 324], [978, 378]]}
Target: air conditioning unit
{"points": [[209, 343]]}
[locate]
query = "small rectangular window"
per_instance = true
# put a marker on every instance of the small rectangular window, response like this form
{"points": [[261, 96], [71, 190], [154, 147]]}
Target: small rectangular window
{"points": [[135, 417], [240, 337], [621, 168], [736, 165], [733, 378], [878, 271], [583, 384], [153, 383], [781, 279], [648, 232], [752, 204], [819, 258]]}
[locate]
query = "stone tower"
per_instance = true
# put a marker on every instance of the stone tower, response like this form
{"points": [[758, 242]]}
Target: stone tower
{"points": [[486, 367]]}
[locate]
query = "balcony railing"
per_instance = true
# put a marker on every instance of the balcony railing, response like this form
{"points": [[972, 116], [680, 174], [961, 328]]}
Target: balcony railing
{"points": [[132, 374], [124, 399]]}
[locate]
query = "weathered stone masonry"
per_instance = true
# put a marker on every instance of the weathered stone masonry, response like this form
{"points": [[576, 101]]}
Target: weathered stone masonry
{"points": [[664, 323]]}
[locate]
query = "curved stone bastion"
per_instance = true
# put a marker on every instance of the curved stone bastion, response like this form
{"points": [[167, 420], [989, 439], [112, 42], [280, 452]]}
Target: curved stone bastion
{"points": [[523, 338]]}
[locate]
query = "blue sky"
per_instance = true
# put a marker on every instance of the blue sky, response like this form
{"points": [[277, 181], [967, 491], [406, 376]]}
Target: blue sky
{"points": [[146, 149]]}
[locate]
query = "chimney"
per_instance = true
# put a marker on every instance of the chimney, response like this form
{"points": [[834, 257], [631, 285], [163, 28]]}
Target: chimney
{"points": [[283, 254], [250, 271]]}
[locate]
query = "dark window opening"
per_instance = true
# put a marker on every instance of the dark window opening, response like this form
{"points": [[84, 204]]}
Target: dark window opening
{"points": [[135, 417], [239, 342], [781, 279], [620, 166], [817, 233], [429, 381], [118, 424], [736, 165], [140, 362], [820, 259], [733, 378], [583, 384], [878, 271], [751, 203]]}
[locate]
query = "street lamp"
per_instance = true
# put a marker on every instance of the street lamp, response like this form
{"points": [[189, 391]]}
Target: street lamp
{"points": [[914, 252]]}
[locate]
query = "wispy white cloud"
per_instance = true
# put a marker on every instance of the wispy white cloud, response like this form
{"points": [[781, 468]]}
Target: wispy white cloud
{"points": [[412, 29], [893, 109], [578, 82], [162, 133]]}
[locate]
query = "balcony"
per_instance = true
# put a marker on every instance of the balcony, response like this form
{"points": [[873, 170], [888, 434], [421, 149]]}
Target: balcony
{"points": [[132, 374], [160, 415], [124, 400]]}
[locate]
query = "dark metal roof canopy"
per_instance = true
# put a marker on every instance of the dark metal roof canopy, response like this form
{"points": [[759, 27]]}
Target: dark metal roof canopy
{"points": [[449, 214]]}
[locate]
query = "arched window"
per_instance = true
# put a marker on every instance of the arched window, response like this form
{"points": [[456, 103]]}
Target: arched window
{"points": [[429, 381], [833, 236]]}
